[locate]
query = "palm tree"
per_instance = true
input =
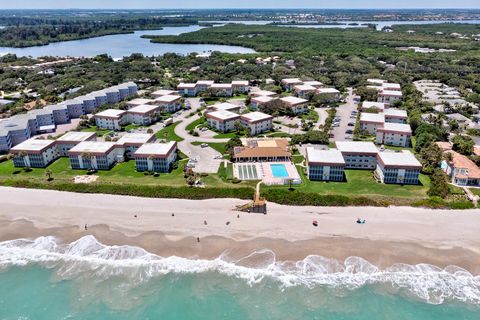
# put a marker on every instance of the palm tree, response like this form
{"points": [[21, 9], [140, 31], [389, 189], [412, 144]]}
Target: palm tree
{"points": [[48, 174]]}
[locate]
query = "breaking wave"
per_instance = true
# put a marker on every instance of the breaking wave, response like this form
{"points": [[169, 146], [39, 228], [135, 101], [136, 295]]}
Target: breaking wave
{"points": [[87, 257]]}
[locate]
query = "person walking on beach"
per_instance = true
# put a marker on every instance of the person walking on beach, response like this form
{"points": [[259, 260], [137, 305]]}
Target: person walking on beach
{"points": [[86, 227], [198, 239]]}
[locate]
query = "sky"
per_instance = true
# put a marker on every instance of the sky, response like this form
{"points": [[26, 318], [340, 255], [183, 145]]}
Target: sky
{"points": [[187, 4]]}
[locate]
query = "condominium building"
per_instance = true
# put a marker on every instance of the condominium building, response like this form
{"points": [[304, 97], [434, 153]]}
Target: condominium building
{"points": [[143, 115], [222, 120], [289, 83], [75, 108], [89, 103], [34, 153], [262, 93], [240, 86], [221, 89], [257, 122], [13, 131], [187, 89], [313, 83], [389, 96], [370, 122], [358, 154], [163, 92], [394, 134], [169, 103], [100, 98], [203, 85], [130, 142], [138, 102], [96, 155], [71, 139], [378, 107], [259, 101], [111, 119], [157, 157], [325, 165], [44, 119], [224, 106], [59, 112], [113, 95], [398, 167], [331, 94], [297, 105], [304, 91], [394, 115]]}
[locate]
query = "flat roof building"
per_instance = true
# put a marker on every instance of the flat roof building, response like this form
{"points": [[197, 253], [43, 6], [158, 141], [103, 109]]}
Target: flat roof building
{"points": [[111, 119], [262, 93], [370, 105], [394, 134], [34, 153], [358, 154], [155, 157], [225, 106], [398, 167], [97, 155], [325, 165], [169, 103], [163, 92], [297, 105], [138, 102], [222, 120], [143, 115], [257, 122], [370, 122], [395, 115], [71, 139], [130, 142], [258, 101]]}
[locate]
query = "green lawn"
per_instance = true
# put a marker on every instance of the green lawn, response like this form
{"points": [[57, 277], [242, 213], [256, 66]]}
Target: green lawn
{"points": [[168, 133], [196, 123], [278, 135], [100, 132], [475, 191], [219, 146], [122, 174], [362, 183], [132, 127], [228, 135]]}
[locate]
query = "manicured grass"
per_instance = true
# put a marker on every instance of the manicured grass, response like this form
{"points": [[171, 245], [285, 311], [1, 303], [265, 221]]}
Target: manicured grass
{"points": [[219, 146], [278, 135], [228, 135], [196, 123], [132, 127], [100, 132], [362, 183], [168, 133], [298, 158], [475, 191]]}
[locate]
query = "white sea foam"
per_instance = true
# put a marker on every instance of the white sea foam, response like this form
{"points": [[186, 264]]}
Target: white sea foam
{"points": [[87, 257]]}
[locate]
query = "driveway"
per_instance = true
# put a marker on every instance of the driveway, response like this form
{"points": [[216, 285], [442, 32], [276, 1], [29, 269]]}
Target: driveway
{"points": [[344, 111], [204, 156]]}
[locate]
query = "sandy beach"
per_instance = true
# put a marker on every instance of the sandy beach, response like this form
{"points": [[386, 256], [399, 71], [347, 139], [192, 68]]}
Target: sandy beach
{"points": [[391, 235]]}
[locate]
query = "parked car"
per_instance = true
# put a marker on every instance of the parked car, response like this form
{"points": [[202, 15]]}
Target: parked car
{"points": [[350, 131], [204, 145], [351, 124]]}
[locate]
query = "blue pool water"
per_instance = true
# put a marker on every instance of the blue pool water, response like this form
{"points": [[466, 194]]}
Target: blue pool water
{"points": [[279, 170]]}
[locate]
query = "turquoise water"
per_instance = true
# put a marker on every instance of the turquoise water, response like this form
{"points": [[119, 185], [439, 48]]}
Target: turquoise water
{"points": [[43, 279], [279, 171]]}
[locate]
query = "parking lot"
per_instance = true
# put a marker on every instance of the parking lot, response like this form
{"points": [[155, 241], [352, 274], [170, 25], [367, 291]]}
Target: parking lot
{"points": [[344, 122]]}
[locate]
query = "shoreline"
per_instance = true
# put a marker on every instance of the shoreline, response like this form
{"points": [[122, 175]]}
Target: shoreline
{"points": [[391, 235]]}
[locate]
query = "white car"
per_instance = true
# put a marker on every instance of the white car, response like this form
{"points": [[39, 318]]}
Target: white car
{"points": [[204, 145]]}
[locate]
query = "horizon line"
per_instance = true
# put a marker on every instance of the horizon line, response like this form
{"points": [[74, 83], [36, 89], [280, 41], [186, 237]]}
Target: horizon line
{"points": [[266, 8]]}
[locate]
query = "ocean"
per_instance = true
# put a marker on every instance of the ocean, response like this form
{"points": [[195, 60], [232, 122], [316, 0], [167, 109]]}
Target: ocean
{"points": [[43, 279]]}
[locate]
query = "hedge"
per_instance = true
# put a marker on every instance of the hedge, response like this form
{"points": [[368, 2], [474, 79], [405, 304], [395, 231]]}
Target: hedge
{"points": [[139, 190]]}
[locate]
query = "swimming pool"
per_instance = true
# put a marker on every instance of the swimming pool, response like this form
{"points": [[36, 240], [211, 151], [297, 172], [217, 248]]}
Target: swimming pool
{"points": [[279, 170]]}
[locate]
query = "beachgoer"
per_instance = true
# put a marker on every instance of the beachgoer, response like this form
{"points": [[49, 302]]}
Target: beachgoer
{"points": [[228, 222], [86, 227], [173, 214], [198, 239], [135, 216], [205, 222], [238, 216]]}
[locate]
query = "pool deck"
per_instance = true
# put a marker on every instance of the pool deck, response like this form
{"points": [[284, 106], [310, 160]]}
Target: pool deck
{"points": [[264, 172]]}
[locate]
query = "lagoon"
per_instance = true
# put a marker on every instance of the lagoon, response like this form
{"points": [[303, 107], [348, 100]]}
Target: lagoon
{"points": [[120, 45]]}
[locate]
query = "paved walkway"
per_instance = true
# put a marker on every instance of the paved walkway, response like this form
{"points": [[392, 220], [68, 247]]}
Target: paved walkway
{"points": [[344, 111]]}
